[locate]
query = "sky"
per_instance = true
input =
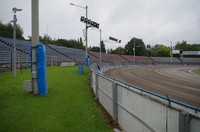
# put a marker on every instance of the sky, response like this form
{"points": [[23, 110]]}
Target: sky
{"points": [[153, 21]]}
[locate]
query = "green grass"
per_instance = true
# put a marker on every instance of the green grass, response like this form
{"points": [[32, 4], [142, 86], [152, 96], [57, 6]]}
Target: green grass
{"points": [[197, 71], [67, 107]]}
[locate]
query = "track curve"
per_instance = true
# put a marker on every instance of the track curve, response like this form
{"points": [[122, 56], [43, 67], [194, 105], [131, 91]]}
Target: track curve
{"points": [[177, 82]]}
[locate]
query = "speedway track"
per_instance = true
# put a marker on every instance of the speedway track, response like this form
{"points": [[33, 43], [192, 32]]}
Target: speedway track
{"points": [[177, 82]]}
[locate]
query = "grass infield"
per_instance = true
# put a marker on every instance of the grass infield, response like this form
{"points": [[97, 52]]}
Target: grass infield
{"points": [[67, 107], [197, 71]]}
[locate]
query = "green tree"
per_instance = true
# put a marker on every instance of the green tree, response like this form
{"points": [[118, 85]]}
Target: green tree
{"points": [[139, 47], [183, 46], [118, 51], [6, 30], [95, 49], [160, 51], [46, 39], [103, 48]]}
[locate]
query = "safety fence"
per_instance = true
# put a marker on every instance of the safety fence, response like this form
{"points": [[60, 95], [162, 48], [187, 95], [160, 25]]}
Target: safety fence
{"points": [[139, 110]]}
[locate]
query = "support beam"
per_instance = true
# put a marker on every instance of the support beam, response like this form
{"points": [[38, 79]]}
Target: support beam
{"points": [[97, 86], [115, 109]]}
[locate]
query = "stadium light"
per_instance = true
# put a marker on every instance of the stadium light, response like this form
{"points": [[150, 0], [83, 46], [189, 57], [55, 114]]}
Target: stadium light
{"points": [[14, 36], [89, 22], [114, 39], [86, 27]]}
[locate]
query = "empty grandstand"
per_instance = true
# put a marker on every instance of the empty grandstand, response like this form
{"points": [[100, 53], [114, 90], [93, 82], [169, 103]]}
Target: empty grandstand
{"points": [[55, 55], [59, 53]]}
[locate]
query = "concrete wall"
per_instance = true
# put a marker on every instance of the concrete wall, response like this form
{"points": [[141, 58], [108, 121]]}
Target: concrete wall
{"points": [[138, 110]]}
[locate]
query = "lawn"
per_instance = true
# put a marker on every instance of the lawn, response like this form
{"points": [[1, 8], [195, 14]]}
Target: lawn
{"points": [[197, 71], [68, 106]]}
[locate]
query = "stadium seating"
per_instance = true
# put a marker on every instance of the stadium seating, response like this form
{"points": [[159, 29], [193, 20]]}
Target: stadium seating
{"points": [[166, 60], [191, 60], [109, 57], [61, 54], [130, 58]]}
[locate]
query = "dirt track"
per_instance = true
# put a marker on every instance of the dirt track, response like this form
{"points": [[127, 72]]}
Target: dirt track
{"points": [[175, 81]]}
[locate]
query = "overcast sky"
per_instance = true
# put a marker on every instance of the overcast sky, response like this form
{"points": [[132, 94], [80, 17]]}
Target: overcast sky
{"points": [[154, 21]]}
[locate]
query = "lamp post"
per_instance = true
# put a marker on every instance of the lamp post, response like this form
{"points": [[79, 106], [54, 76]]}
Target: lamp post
{"points": [[14, 35], [86, 27], [35, 41], [134, 49], [100, 47], [171, 59]]}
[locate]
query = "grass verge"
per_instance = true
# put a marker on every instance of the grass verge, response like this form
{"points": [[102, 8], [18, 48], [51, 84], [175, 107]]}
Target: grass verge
{"points": [[68, 106]]}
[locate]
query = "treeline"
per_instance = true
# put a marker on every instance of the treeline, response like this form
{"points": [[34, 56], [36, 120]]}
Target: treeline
{"points": [[77, 44], [159, 50], [6, 30]]}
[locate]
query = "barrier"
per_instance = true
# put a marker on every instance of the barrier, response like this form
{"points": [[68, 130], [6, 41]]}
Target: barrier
{"points": [[66, 64], [136, 109], [80, 69], [41, 69]]}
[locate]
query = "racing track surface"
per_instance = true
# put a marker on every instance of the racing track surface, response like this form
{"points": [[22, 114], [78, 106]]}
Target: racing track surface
{"points": [[177, 82]]}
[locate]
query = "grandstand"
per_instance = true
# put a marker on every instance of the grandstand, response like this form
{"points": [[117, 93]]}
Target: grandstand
{"points": [[191, 60], [109, 57], [166, 60], [59, 54], [62, 54], [138, 58]]}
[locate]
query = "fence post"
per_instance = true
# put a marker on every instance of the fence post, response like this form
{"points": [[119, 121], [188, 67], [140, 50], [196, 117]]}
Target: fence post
{"points": [[97, 86], [115, 110]]}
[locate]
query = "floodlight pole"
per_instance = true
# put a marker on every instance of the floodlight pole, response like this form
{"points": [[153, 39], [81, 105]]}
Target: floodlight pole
{"points": [[86, 37], [134, 49], [14, 36], [35, 41], [86, 32], [100, 47], [171, 60], [171, 52], [14, 39]]}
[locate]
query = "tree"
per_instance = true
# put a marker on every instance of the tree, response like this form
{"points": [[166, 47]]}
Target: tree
{"points": [[118, 51], [139, 47], [6, 30], [183, 46], [95, 49], [103, 49], [46, 39], [160, 51]]}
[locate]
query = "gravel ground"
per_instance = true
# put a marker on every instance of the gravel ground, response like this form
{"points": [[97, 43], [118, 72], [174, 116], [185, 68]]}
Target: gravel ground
{"points": [[177, 82]]}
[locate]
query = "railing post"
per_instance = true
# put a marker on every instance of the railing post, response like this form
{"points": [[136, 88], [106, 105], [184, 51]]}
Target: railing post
{"points": [[115, 110], [97, 86]]}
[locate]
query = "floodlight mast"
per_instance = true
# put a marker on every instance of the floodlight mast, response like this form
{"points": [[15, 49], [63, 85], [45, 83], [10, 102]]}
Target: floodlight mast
{"points": [[14, 36], [134, 49], [100, 47], [86, 28], [171, 60], [35, 41]]}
